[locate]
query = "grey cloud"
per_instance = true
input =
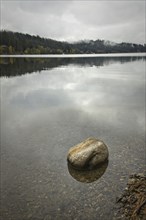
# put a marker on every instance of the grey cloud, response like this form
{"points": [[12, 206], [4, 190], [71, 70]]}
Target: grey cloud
{"points": [[107, 13], [76, 20]]}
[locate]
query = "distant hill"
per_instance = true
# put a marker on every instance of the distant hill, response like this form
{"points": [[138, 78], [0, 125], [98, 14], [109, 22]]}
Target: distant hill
{"points": [[18, 43]]}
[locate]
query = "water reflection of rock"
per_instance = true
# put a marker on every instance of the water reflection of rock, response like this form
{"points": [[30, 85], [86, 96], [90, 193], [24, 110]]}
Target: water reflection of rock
{"points": [[88, 176]]}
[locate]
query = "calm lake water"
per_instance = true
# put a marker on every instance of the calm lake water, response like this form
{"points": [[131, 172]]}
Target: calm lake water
{"points": [[50, 104]]}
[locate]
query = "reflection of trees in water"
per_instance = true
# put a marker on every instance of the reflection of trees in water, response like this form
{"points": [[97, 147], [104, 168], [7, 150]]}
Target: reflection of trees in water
{"points": [[19, 66]]}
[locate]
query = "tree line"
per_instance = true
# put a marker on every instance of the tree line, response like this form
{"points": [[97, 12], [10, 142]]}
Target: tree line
{"points": [[18, 43]]}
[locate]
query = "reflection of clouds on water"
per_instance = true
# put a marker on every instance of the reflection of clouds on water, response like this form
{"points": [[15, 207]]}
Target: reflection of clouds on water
{"points": [[112, 95], [44, 114]]}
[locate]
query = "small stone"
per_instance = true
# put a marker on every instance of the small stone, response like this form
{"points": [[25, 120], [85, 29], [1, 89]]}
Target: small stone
{"points": [[88, 154]]}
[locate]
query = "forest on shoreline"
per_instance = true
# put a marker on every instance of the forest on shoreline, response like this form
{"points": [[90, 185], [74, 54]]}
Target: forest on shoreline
{"points": [[19, 43]]}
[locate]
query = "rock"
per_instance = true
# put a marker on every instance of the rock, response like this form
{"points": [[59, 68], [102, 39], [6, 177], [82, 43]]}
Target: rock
{"points": [[88, 154]]}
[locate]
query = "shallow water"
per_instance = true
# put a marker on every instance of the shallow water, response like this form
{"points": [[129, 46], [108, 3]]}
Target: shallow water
{"points": [[49, 105]]}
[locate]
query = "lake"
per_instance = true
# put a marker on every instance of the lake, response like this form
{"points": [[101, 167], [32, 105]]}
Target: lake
{"points": [[51, 104]]}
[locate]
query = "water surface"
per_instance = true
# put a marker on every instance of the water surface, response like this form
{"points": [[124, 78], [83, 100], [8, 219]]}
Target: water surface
{"points": [[49, 105]]}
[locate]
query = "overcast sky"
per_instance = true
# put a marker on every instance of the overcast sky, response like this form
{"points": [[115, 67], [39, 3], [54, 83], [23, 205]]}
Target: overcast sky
{"points": [[118, 20]]}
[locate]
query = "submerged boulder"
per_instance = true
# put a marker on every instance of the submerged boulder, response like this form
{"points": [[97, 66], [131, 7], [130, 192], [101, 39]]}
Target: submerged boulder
{"points": [[88, 154], [88, 176]]}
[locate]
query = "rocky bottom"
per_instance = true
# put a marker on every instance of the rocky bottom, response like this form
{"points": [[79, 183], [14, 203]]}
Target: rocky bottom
{"points": [[133, 200]]}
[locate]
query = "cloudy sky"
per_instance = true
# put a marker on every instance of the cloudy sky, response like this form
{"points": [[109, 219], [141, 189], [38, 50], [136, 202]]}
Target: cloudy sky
{"points": [[116, 20]]}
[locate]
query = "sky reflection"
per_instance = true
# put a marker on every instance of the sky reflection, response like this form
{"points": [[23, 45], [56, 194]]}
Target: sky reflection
{"points": [[112, 94], [45, 113]]}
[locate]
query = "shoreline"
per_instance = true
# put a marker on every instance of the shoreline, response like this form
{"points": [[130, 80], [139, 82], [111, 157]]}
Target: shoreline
{"points": [[76, 55], [133, 199]]}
